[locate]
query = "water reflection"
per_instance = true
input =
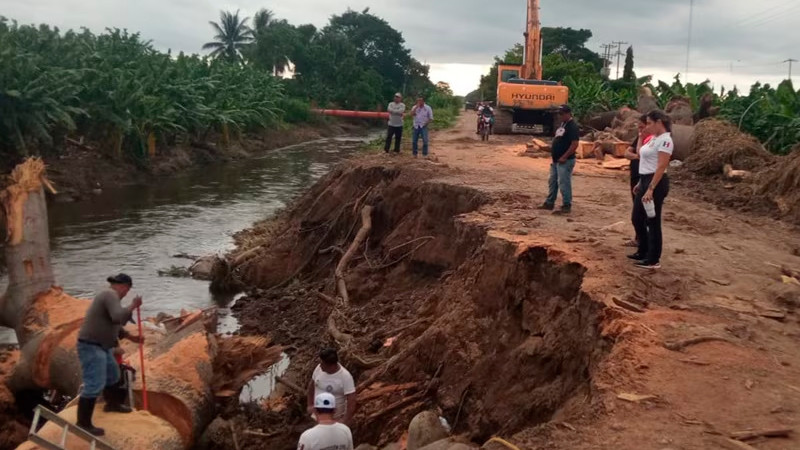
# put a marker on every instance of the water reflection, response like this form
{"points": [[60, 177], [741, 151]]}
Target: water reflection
{"points": [[137, 229]]}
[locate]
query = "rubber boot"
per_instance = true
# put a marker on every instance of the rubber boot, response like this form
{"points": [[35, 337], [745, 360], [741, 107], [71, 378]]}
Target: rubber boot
{"points": [[85, 411], [115, 400]]}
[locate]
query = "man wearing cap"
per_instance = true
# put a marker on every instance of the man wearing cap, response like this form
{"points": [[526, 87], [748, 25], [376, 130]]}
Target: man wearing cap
{"points": [[328, 434], [397, 110], [97, 338], [564, 146]]}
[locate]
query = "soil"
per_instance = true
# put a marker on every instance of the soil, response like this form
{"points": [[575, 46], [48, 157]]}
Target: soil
{"points": [[79, 170], [515, 322]]}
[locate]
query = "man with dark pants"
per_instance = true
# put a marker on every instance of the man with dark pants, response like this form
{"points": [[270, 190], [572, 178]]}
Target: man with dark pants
{"points": [[397, 110], [564, 146], [96, 340]]}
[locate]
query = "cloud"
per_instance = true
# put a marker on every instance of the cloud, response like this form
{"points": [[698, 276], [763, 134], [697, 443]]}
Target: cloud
{"points": [[754, 36]]}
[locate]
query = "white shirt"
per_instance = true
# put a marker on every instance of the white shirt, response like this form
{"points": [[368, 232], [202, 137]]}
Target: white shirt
{"points": [[339, 384], [326, 437], [648, 154]]}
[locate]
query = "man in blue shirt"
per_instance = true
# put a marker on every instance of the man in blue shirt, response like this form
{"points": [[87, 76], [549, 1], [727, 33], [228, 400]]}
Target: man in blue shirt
{"points": [[423, 116], [563, 152]]}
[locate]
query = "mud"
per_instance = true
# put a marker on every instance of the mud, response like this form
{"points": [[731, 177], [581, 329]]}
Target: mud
{"points": [[495, 335]]}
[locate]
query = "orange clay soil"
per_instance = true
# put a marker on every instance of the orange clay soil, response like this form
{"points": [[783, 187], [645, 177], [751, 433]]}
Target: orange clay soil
{"points": [[536, 327]]}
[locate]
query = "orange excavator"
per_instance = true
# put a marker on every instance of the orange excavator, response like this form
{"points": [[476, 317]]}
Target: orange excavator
{"points": [[524, 100]]}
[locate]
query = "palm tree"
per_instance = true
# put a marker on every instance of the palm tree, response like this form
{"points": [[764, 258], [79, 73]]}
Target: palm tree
{"points": [[273, 41], [233, 35]]}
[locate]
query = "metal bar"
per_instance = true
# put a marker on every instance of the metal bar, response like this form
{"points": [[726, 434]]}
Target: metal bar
{"points": [[41, 411], [35, 422], [64, 436]]}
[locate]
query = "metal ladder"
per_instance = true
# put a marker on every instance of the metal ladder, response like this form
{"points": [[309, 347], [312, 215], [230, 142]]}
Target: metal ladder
{"points": [[43, 413]]}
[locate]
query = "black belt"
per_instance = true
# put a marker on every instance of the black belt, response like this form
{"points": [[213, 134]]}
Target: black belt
{"points": [[89, 342]]}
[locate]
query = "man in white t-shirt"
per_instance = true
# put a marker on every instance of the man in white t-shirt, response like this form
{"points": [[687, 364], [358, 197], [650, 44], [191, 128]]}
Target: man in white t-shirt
{"points": [[330, 377], [328, 434]]}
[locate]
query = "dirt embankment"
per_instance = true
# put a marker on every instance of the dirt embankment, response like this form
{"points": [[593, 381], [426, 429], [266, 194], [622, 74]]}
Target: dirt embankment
{"points": [[495, 335], [80, 169], [516, 322]]}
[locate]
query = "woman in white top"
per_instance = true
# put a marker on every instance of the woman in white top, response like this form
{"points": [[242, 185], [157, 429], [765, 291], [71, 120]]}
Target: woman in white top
{"points": [[653, 188]]}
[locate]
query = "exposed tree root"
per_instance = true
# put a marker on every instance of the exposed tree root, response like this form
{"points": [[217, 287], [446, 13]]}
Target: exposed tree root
{"points": [[363, 232], [680, 345]]}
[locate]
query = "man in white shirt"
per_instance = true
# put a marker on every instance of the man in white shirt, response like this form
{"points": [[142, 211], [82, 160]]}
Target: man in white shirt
{"points": [[397, 110], [330, 377], [328, 434]]}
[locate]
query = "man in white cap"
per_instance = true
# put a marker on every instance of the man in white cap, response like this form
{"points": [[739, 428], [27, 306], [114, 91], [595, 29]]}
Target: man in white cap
{"points": [[328, 434], [397, 110]]}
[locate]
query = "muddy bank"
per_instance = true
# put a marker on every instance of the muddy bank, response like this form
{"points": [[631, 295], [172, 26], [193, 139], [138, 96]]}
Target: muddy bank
{"points": [[81, 169], [458, 318]]}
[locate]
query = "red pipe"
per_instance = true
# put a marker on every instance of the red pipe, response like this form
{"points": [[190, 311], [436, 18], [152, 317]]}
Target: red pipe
{"points": [[355, 114]]}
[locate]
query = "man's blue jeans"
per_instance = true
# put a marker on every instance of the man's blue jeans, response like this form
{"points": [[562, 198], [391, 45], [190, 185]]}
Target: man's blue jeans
{"points": [[415, 138], [98, 368], [561, 178]]}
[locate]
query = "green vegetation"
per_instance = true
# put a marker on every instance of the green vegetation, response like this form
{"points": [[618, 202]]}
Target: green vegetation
{"points": [[770, 114], [125, 97]]}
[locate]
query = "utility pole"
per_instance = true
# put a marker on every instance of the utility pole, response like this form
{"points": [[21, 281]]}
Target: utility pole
{"points": [[619, 45], [606, 59], [689, 40], [790, 61]]}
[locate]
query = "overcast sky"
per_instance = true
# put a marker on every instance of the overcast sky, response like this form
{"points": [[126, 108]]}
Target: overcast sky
{"points": [[734, 41]]}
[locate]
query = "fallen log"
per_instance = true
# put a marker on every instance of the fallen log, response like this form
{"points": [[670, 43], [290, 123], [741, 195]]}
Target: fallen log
{"points": [[752, 434]]}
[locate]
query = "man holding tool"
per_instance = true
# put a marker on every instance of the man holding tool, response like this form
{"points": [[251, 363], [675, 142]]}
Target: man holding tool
{"points": [[96, 341]]}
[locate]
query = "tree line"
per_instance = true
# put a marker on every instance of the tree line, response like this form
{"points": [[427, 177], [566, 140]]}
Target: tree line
{"points": [[117, 90]]}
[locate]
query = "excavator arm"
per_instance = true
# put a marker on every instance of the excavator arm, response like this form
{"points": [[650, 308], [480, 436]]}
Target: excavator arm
{"points": [[532, 67]]}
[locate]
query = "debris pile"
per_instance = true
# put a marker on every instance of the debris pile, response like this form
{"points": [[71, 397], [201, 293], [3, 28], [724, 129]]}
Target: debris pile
{"points": [[719, 143]]}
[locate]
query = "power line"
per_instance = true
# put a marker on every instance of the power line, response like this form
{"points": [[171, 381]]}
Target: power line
{"points": [[777, 16], [758, 16], [607, 58]]}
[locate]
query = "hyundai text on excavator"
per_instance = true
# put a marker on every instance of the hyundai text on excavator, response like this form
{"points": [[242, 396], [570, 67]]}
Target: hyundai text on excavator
{"points": [[523, 98]]}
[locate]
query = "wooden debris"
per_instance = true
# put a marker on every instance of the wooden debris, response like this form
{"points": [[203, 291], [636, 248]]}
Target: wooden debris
{"points": [[291, 385], [627, 305], [396, 405], [363, 232], [733, 174], [773, 314], [770, 432], [380, 391], [616, 164], [680, 345], [721, 282], [695, 362], [261, 434], [635, 398], [739, 444]]}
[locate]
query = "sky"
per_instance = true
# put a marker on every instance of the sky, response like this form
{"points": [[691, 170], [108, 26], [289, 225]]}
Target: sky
{"points": [[734, 42]]}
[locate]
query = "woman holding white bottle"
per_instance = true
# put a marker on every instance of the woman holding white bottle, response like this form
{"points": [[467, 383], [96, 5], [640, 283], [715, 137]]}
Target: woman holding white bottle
{"points": [[652, 189]]}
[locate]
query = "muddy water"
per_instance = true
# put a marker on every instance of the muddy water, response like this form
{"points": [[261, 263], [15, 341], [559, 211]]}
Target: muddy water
{"points": [[138, 229]]}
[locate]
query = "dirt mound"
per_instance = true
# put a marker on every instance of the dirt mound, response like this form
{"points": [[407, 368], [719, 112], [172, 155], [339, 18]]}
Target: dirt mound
{"points": [[442, 314], [781, 185], [717, 143]]}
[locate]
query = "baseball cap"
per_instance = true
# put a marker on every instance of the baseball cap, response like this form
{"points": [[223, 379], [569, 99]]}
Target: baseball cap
{"points": [[120, 279], [565, 109], [325, 401], [398, 95]]}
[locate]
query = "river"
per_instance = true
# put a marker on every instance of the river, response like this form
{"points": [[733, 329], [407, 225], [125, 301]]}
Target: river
{"points": [[137, 229]]}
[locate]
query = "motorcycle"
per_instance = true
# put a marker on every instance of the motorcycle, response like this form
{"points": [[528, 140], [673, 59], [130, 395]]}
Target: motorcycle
{"points": [[485, 127]]}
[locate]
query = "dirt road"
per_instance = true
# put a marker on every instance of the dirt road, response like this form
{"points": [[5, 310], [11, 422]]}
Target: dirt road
{"points": [[537, 325], [719, 272]]}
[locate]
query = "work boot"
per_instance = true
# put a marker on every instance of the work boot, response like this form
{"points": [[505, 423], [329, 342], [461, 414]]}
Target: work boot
{"points": [[546, 206], [115, 400], [566, 209], [85, 411]]}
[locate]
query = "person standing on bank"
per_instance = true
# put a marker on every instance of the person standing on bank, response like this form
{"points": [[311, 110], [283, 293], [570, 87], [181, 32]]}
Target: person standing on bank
{"points": [[564, 146], [652, 189], [423, 116], [96, 340], [397, 110], [329, 376], [328, 434], [632, 154]]}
